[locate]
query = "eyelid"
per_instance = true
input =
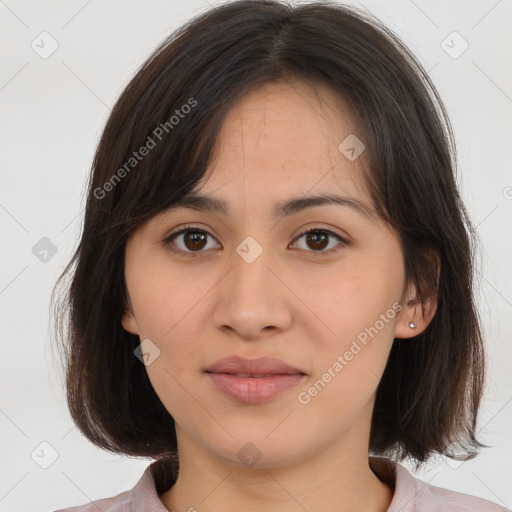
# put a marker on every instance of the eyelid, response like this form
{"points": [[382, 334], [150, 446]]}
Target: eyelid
{"points": [[183, 229], [343, 241], [194, 227]]}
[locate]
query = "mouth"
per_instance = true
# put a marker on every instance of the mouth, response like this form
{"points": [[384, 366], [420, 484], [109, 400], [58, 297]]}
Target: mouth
{"points": [[249, 375], [253, 381], [260, 367], [253, 389]]}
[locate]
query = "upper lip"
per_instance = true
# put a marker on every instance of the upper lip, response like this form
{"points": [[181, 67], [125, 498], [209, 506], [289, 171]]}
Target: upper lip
{"points": [[260, 366]]}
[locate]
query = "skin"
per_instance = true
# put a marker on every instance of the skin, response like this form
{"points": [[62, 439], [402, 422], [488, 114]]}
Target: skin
{"points": [[279, 141]]}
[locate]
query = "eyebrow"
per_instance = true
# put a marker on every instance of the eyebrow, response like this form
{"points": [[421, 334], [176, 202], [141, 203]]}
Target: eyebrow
{"points": [[197, 201]]}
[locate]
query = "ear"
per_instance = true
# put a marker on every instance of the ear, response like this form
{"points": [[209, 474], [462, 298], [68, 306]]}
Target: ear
{"points": [[413, 311], [129, 322]]}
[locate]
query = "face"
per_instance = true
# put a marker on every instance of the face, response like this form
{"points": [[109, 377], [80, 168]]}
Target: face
{"points": [[319, 288]]}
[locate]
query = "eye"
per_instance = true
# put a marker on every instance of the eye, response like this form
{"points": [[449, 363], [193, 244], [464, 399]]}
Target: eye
{"points": [[195, 239], [317, 237]]}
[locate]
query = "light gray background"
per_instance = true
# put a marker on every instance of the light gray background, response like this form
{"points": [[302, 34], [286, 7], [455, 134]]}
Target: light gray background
{"points": [[52, 113]]}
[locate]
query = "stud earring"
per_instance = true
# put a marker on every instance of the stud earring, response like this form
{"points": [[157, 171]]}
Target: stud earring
{"points": [[412, 325]]}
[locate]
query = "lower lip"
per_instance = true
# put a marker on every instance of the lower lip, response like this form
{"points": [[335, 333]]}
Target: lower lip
{"points": [[254, 390]]}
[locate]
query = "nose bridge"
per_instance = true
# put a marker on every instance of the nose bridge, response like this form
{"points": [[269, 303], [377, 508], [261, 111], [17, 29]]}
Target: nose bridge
{"points": [[253, 259], [250, 300], [250, 263]]}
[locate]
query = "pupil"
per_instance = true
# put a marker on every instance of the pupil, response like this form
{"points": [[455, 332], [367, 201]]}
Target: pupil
{"points": [[195, 236], [315, 240]]}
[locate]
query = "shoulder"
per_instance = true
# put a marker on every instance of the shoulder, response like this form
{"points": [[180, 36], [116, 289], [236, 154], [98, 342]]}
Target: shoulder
{"points": [[433, 498], [119, 503], [143, 496], [414, 495]]}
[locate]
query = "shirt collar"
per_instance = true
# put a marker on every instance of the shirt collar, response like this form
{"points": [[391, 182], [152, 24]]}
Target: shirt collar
{"points": [[144, 496], [400, 480]]}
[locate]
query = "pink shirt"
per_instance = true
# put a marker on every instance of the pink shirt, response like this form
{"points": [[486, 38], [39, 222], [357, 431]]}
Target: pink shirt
{"points": [[410, 495]]}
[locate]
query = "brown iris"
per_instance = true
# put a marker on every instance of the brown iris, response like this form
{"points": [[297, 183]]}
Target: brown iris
{"points": [[196, 238], [317, 240]]}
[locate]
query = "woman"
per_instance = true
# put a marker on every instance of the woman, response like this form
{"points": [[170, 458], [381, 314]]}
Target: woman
{"points": [[272, 296]]}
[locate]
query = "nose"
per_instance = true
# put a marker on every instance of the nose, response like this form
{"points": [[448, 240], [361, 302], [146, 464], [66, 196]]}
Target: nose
{"points": [[253, 299]]}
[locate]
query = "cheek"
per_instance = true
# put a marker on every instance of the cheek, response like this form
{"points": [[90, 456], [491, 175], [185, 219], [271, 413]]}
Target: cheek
{"points": [[174, 373], [354, 297], [359, 307], [348, 369], [167, 305], [162, 294]]}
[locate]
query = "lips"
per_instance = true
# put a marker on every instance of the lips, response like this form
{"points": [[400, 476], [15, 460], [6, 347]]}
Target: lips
{"points": [[261, 367], [252, 375], [253, 381]]}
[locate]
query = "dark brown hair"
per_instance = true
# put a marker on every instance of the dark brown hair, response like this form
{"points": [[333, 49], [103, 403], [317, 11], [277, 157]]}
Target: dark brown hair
{"points": [[427, 400]]}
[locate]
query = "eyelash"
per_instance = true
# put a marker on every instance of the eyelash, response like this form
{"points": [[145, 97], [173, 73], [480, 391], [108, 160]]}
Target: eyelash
{"points": [[171, 236]]}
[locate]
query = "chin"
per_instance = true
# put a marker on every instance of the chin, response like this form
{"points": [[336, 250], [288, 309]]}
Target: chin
{"points": [[260, 452]]}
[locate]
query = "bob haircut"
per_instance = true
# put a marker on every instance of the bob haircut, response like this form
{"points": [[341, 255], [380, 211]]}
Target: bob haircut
{"points": [[428, 398]]}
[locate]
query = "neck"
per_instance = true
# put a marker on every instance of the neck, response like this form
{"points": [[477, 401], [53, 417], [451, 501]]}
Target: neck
{"points": [[340, 483]]}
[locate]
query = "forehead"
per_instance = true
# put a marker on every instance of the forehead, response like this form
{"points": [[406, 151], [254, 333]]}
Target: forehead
{"points": [[288, 114], [284, 138]]}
